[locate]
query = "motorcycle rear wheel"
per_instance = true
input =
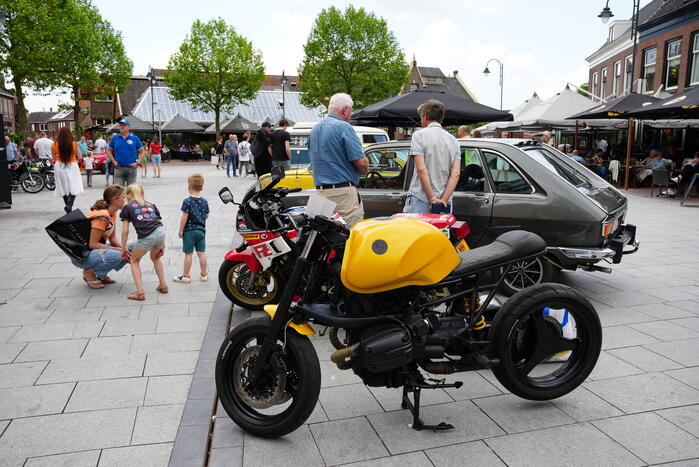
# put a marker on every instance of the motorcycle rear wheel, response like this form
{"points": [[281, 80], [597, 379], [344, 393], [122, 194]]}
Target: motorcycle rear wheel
{"points": [[50, 181], [33, 184], [288, 392], [537, 360], [233, 279]]}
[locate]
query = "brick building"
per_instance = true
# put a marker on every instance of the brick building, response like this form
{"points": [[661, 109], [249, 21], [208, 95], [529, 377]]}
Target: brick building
{"points": [[8, 109], [38, 121], [667, 54], [433, 77], [64, 118]]}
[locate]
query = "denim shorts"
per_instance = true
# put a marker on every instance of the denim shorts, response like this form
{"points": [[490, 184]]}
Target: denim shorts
{"points": [[155, 158], [155, 240]]}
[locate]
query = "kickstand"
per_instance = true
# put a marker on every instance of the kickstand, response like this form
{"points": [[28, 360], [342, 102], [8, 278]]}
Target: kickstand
{"points": [[415, 386]]}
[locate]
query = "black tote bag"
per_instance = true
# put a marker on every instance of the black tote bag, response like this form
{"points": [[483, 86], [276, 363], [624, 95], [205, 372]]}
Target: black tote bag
{"points": [[72, 234]]}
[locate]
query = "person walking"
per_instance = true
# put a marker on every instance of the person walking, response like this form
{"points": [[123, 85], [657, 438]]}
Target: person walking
{"points": [[155, 157], [244, 154], [436, 155], [82, 145], [261, 151], [89, 165], [11, 150], [42, 146], [69, 182], [123, 152], [230, 149], [338, 159], [143, 161], [247, 136], [280, 140], [195, 211], [218, 151]]}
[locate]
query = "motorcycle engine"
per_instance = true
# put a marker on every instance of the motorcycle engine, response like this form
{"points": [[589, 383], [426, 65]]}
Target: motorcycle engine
{"points": [[382, 350]]}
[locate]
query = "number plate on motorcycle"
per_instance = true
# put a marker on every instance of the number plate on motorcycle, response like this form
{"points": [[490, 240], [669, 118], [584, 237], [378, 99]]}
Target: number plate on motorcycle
{"points": [[462, 247], [267, 251]]}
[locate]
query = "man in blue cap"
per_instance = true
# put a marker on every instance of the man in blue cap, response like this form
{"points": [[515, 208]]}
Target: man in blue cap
{"points": [[124, 152]]}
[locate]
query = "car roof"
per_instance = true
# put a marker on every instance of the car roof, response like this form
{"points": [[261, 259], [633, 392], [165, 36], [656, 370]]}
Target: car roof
{"points": [[517, 142]]}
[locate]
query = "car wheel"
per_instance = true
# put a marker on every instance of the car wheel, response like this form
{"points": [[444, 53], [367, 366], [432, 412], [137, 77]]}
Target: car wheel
{"points": [[527, 273]]}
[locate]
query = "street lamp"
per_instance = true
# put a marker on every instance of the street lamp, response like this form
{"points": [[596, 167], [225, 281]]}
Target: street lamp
{"points": [[152, 103], [607, 13], [283, 81], [486, 72]]}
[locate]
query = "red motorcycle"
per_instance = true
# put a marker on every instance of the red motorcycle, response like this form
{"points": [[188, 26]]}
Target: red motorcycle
{"points": [[253, 274]]}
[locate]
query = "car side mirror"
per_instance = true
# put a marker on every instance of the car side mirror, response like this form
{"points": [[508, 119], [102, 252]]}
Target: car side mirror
{"points": [[226, 195]]}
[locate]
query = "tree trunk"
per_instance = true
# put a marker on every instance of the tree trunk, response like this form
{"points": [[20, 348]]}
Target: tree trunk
{"points": [[217, 112], [23, 116], [77, 131]]}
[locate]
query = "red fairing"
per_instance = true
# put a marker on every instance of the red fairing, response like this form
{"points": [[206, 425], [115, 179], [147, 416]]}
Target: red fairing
{"points": [[247, 257], [441, 221], [460, 229]]}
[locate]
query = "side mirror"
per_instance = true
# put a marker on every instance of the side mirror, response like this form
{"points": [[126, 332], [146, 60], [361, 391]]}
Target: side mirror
{"points": [[277, 173], [226, 195]]}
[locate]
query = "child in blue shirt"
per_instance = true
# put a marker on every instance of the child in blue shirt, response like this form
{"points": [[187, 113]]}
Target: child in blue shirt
{"points": [[195, 211]]}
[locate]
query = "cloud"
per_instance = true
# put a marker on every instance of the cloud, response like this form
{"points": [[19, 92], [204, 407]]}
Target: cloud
{"points": [[285, 51], [486, 7]]}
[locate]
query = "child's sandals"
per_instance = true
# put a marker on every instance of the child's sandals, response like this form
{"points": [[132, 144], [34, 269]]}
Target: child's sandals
{"points": [[162, 289], [136, 296]]}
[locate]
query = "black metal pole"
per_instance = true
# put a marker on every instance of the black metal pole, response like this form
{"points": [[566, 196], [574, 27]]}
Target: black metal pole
{"points": [[634, 38], [152, 106], [5, 190]]}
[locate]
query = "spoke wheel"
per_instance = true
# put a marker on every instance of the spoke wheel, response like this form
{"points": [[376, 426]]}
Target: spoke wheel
{"points": [[547, 338], [527, 273], [284, 396], [31, 183], [50, 181], [234, 278]]}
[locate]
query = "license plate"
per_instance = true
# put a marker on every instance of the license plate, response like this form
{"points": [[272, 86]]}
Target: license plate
{"points": [[267, 251], [462, 247]]}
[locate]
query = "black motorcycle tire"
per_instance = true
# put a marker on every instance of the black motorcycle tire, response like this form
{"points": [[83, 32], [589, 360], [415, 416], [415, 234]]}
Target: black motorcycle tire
{"points": [[50, 181], [30, 187], [307, 374], [241, 297], [504, 336]]}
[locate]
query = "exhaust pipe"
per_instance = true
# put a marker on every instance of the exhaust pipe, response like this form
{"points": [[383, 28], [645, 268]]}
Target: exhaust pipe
{"points": [[343, 357]]}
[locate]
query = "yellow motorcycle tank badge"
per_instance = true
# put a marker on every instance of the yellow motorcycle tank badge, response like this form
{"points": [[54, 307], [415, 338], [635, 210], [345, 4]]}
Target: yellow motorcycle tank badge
{"points": [[383, 255]]}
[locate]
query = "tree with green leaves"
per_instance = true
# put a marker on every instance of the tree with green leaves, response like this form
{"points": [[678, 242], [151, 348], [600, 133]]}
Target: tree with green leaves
{"points": [[215, 69], [352, 52]]}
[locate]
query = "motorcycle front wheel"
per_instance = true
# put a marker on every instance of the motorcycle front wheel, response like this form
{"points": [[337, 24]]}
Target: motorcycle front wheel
{"points": [[547, 339], [234, 278], [286, 394], [31, 183], [50, 181]]}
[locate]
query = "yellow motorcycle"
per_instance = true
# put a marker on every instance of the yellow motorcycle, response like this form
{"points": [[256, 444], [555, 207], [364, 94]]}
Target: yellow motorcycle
{"points": [[399, 322]]}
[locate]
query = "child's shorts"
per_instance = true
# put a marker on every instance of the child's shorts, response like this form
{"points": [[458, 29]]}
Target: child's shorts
{"points": [[155, 240], [194, 240]]}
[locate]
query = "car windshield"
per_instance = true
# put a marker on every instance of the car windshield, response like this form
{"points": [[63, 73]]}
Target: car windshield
{"points": [[551, 162], [387, 161], [369, 139]]}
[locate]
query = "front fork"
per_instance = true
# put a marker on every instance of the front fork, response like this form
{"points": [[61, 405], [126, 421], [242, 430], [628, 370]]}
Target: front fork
{"points": [[281, 317]]}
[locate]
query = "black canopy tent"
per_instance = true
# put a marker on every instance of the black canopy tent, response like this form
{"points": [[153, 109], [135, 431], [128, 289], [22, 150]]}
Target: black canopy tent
{"points": [[401, 110], [684, 105]]}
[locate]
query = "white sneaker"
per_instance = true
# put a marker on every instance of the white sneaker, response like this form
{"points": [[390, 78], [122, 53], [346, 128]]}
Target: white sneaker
{"points": [[182, 279]]}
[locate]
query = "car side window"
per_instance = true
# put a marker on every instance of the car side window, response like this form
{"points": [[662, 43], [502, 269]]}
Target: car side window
{"points": [[472, 178], [386, 169], [506, 177]]}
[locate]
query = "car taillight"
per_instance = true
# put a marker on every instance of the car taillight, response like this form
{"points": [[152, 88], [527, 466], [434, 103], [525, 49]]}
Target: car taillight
{"points": [[609, 228], [460, 229]]}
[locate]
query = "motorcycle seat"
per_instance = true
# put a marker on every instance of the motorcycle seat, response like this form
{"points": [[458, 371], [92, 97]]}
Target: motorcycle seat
{"points": [[508, 247]]}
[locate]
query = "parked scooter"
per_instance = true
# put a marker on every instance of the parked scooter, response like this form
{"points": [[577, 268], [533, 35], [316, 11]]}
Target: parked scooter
{"points": [[27, 176]]}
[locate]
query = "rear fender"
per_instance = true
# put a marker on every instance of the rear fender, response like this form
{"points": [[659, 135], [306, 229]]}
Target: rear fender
{"points": [[246, 256], [303, 328]]}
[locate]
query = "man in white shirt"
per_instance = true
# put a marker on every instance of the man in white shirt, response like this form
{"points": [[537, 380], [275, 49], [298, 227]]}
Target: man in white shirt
{"points": [[42, 146], [602, 144]]}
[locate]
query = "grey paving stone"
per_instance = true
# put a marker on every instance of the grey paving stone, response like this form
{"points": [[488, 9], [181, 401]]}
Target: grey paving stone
{"points": [[52, 350], [365, 443], [688, 376], [31, 294], [107, 346], [296, 448], [34, 400], [182, 324], [515, 415], [226, 457], [157, 424], [75, 316], [614, 337], [57, 434], [192, 297], [201, 309], [686, 418], [685, 352], [107, 394], [670, 294], [474, 453], [575, 445], [197, 412], [23, 318], [180, 342], [190, 446], [475, 386], [16, 306], [16, 375], [644, 359], [3, 425], [132, 311], [609, 366], [470, 424], [206, 368], [73, 459], [7, 332], [46, 283], [583, 406], [692, 306], [348, 401], [641, 393], [226, 433], [412, 459], [85, 369], [155, 455], [650, 437], [621, 299], [168, 389], [128, 327], [318, 415], [665, 331], [621, 316], [689, 323], [62, 303], [171, 363], [8, 352], [202, 388], [671, 310], [169, 310], [52, 332], [390, 398]]}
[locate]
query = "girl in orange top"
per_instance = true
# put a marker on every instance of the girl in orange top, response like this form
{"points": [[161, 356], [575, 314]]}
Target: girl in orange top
{"points": [[69, 182]]}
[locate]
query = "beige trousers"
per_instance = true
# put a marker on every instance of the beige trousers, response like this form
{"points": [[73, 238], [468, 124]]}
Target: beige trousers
{"points": [[349, 204]]}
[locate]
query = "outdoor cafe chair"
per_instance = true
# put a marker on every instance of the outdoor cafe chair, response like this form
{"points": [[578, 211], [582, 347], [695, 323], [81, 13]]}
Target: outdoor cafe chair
{"points": [[661, 178], [691, 185]]}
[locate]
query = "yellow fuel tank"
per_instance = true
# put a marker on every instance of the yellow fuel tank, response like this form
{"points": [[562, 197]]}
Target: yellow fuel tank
{"points": [[382, 255]]}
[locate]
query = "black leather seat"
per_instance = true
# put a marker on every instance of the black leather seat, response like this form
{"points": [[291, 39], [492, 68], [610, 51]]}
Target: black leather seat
{"points": [[508, 247]]}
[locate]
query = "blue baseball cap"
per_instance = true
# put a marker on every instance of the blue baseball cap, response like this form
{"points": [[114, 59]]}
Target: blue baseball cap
{"points": [[124, 121]]}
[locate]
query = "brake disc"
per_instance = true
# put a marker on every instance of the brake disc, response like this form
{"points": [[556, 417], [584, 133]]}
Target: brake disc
{"points": [[270, 390]]}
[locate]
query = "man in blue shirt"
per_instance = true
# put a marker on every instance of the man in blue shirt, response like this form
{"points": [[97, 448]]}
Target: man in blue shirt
{"points": [[123, 151], [230, 150], [338, 159], [10, 149]]}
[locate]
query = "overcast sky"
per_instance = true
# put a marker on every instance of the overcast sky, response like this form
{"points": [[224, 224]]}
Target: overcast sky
{"points": [[542, 43]]}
